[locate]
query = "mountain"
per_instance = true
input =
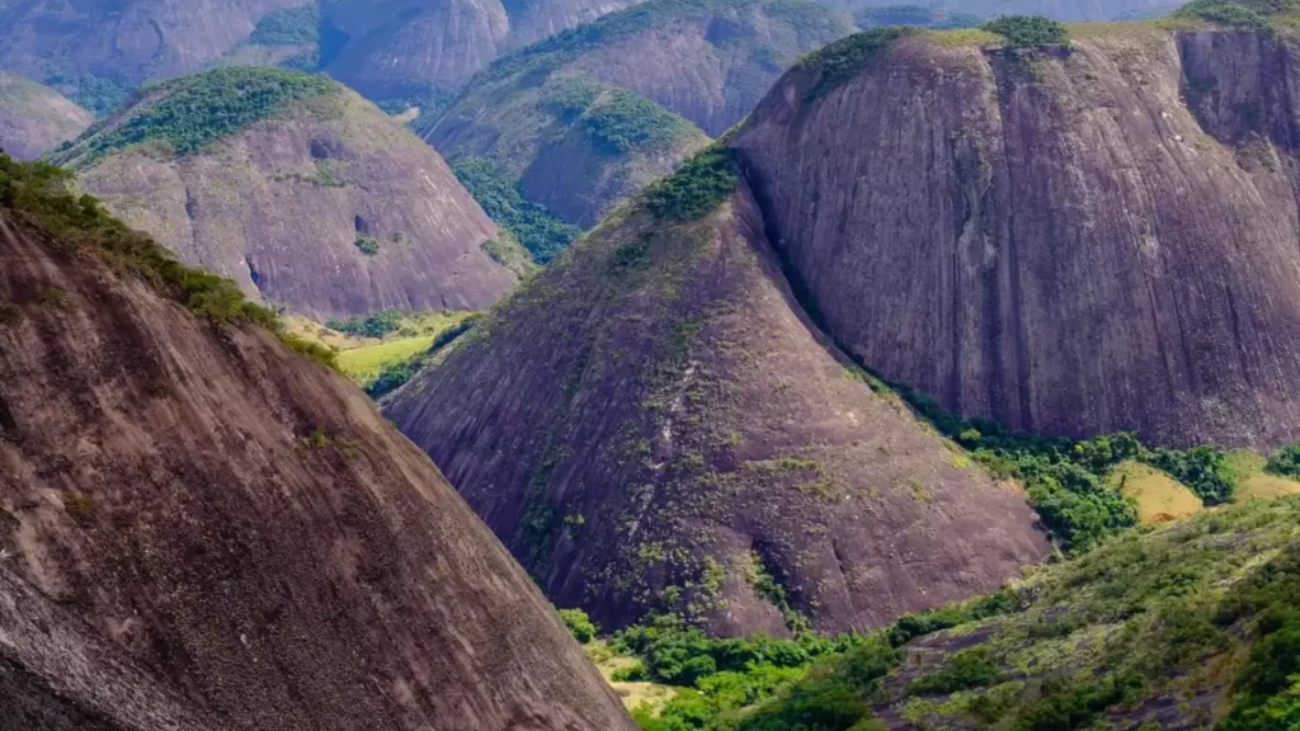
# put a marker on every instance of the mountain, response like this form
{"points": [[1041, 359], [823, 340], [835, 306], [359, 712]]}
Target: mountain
{"points": [[83, 47], [651, 425], [35, 118], [590, 116], [408, 48], [299, 190], [1069, 240], [196, 516], [1064, 10]]}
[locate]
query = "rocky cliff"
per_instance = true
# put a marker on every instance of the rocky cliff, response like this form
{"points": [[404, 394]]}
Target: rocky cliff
{"points": [[298, 189], [129, 41], [652, 424], [35, 118], [401, 48], [234, 521], [1071, 241]]}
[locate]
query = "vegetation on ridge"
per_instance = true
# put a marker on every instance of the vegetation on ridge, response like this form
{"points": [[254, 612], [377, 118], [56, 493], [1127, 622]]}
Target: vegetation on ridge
{"points": [[1028, 31], [39, 192], [191, 112], [840, 61], [537, 229], [699, 186]]}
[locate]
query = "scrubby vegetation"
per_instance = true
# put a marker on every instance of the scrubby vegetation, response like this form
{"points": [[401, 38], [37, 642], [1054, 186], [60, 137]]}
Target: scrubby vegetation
{"points": [[840, 61], [372, 326], [194, 111], [699, 186], [290, 27], [579, 625], [95, 93], [1156, 618], [1028, 31], [536, 228], [623, 121], [39, 192], [917, 15], [1253, 14], [1285, 462], [367, 245]]}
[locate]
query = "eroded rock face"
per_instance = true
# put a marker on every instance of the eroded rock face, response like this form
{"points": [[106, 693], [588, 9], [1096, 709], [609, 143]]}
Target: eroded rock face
{"points": [[243, 526], [1071, 243], [400, 48], [288, 207], [651, 423], [129, 40], [35, 118]]}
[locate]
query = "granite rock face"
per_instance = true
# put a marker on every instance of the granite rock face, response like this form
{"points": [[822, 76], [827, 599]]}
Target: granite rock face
{"points": [[652, 424], [1070, 242], [36, 118], [230, 531]]}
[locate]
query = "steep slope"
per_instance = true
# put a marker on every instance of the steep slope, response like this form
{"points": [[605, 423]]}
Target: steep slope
{"points": [[56, 675], [239, 521], [128, 41], [296, 188], [410, 48], [650, 425], [35, 118], [568, 118], [1070, 241]]}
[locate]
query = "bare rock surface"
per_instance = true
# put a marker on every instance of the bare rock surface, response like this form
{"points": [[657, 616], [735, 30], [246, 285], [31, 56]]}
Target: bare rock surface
{"points": [[651, 423], [35, 118], [1071, 242], [243, 526], [285, 206]]}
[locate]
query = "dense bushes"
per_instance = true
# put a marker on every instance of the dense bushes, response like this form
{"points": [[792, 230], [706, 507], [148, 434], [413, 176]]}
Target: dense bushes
{"points": [[1285, 462], [840, 61], [39, 191], [540, 232], [1028, 31], [1204, 470], [579, 625], [624, 121], [95, 93], [291, 27], [1255, 15], [699, 186], [196, 110], [1268, 690], [372, 326]]}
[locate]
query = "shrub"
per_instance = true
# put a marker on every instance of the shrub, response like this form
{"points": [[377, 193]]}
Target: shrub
{"points": [[1203, 470], [840, 61], [699, 186], [1028, 31], [579, 625], [367, 245], [1285, 462], [1253, 15], [625, 121], [541, 232], [291, 27], [373, 326], [964, 670]]}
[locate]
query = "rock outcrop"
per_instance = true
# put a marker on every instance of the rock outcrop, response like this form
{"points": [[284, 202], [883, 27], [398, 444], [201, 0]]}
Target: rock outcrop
{"points": [[404, 48], [129, 41], [320, 202], [35, 118], [652, 424], [1069, 241], [239, 525]]}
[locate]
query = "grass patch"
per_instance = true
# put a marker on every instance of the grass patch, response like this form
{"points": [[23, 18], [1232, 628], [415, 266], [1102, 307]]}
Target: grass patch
{"points": [[1159, 497], [1249, 471]]}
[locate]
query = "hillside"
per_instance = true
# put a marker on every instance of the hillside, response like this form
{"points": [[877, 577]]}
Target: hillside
{"points": [[1064, 10], [1079, 240], [396, 49], [651, 425], [590, 116], [297, 189], [232, 520], [90, 49], [35, 118], [1191, 625]]}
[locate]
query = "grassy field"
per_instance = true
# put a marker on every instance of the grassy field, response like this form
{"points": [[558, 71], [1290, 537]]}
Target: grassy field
{"points": [[361, 359], [1159, 496], [652, 695], [1253, 481]]}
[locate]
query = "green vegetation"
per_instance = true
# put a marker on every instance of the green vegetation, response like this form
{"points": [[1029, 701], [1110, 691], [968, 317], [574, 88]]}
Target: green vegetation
{"points": [[39, 191], [1254, 14], [373, 326], [1170, 614], [623, 121], [194, 111], [699, 186], [367, 245], [507, 251], [1285, 462], [94, 93], [920, 16], [381, 352], [1204, 470], [844, 59], [1028, 31], [579, 624], [540, 232], [291, 27]]}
